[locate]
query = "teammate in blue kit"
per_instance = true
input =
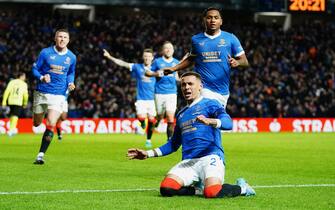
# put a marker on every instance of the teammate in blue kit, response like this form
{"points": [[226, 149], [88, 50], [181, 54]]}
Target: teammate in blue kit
{"points": [[166, 86], [145, 104], [54, 71], [198, 132], [214, 52]]}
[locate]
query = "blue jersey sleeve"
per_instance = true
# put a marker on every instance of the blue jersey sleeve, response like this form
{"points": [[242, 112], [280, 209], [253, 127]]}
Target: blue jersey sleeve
{"points": [[236, 47], [154, 66], [71, 72], [173, 143], [218, 111], [193, 47], [38, 64]]}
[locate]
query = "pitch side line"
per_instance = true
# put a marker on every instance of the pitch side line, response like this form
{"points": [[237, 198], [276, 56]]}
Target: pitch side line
{"points": [[152, 189]]}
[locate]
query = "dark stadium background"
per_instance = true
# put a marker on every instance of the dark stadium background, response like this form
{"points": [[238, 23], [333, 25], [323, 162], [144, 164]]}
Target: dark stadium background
{"points": [[292, 72]]}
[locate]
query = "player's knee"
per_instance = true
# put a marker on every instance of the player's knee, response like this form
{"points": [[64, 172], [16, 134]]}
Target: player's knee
{"points": [[212, 191], [169, 187], [152, 120], [36, 123], [141, 119]]}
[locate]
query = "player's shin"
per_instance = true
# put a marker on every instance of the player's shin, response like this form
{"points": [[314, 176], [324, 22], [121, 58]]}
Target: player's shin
{"points": [[46, 139], [170, 187], [169, 129], [13, 122], [219, 191], [142, 121], [58, 129], [150, 129]]}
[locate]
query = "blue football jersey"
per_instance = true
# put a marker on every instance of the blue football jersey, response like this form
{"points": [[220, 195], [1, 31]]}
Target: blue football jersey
{"points": [[211, 60], [197, 139], [145, 85], [60, 67], [166, 84]]}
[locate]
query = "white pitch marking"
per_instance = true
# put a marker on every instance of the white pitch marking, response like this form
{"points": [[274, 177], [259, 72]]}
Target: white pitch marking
{"points": [[153, 189]]}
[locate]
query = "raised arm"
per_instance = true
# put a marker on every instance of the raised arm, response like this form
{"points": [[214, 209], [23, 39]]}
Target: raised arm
{"points": [[149, 73], [117, 61], [185, 63]]}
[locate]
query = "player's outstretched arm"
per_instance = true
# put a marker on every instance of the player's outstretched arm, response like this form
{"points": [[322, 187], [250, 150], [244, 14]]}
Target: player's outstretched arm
{"points": [[149, 73], [117, 61], [137, 154], [185, 63]]}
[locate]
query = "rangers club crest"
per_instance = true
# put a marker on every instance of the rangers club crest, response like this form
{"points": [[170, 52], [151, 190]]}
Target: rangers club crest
{"points": [[222, 42], [67, 60]]}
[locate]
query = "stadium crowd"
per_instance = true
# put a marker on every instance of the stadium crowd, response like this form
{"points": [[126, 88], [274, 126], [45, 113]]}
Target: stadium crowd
{"points": [[291, 74]]}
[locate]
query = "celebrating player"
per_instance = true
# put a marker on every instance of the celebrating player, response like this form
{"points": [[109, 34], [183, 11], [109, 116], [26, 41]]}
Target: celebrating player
{"points": [[198, 132], [214, 53], [166, 86], [16, 96], [54, 71], [145, 105]]}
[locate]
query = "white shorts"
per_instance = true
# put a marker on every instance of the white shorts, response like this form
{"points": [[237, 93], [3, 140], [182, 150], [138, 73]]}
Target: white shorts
{"points": [[65, 106], [145, 107], [166, 102], [199, 169], [223, 99], [45, 101]]}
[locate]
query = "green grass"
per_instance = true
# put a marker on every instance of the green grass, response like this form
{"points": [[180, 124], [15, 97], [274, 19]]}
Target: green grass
{"points": [[98, 162]]}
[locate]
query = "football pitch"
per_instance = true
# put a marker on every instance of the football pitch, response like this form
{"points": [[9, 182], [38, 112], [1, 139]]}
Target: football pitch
{"points": [[288, 171]]}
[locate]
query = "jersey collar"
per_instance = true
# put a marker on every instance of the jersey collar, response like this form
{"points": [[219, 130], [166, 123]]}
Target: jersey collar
{"points": [[60, 53], [167, 60], [214, 36], [196, 101]]}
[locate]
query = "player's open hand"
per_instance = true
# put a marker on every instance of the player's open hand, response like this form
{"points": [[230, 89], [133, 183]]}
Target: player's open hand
{"points": [[46, 78], [71, 87], [233, 62], [137, 154], [167, 71], [106, 53]]}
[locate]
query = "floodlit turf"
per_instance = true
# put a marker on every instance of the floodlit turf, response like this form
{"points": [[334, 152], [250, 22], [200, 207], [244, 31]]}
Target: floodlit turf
{"points": [[98, 162]]}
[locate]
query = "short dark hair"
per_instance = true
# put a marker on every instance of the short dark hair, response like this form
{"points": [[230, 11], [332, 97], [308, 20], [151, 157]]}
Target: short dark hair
{"points": [[204, 13], [191, 73], [148, 50], [62, 30]]}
